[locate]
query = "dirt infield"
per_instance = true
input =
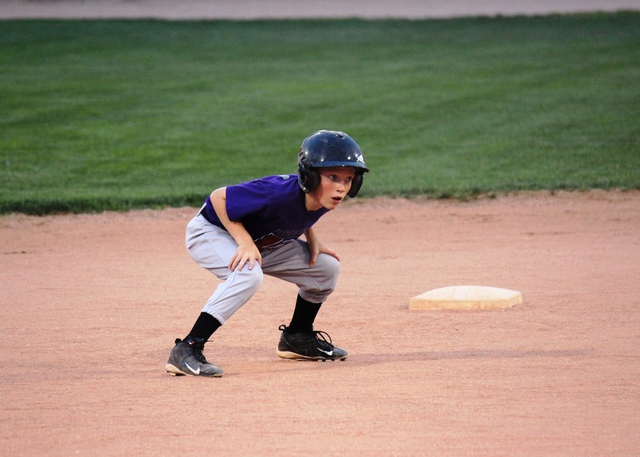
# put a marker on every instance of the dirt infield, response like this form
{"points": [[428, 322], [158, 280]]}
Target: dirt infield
{"points": [[91, 305]]}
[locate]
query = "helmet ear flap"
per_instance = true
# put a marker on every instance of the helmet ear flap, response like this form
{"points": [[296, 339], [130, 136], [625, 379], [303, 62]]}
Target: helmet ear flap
{"points": [[309, 179], [356, 184]]}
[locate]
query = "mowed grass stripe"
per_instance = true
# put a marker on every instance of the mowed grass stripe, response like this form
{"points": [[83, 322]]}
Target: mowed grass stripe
{"points": [[101, 115]]}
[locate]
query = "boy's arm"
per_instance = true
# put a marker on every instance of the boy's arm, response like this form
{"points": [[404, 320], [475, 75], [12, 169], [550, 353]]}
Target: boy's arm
{"points": [[247, 250], [316, 246]]}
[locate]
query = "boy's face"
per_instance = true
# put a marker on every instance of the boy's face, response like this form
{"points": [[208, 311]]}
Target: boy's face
{"points": [[333, 188]]}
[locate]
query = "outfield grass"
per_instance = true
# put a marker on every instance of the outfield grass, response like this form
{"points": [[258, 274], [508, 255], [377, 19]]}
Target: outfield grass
{"points": [[101, 115]]}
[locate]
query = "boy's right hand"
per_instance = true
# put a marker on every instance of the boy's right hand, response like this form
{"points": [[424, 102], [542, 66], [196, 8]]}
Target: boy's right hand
{"points": [[247, 250], [245, 253]]}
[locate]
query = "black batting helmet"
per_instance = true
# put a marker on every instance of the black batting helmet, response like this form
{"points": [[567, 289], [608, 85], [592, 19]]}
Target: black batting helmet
{"points": [[328, 148]]}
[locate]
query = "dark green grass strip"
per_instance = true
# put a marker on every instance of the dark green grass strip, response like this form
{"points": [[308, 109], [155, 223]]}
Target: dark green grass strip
{"points": [[99, 115]]}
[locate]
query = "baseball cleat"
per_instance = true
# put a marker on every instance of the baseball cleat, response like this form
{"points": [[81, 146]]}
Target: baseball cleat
{"points": [[308, 346], [187, 359]]}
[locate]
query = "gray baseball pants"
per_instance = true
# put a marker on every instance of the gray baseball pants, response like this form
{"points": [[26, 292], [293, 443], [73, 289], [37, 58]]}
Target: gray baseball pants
{"points": [[212, 248]]}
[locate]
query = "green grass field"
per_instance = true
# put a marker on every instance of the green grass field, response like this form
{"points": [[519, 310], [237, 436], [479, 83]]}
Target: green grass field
{"points": [[101, 115]]}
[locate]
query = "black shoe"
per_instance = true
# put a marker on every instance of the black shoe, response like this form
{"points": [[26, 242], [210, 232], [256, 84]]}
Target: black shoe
{"points": [[308, 346], [187, 359]]}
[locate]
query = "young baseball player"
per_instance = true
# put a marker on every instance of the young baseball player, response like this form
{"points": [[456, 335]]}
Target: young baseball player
{"points": [[250, 229]]}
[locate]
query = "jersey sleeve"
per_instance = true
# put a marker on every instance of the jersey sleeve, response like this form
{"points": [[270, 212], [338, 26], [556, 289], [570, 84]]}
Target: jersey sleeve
{"points": [[247, 198]]}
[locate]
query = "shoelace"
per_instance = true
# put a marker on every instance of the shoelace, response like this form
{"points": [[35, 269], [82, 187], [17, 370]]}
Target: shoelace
{"points": [[317, 336], [323, 337], [197, 350]]}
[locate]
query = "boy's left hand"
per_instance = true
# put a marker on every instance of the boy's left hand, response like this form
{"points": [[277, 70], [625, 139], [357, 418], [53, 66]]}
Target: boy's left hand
{"points": [[316, 246], [326, 250]]}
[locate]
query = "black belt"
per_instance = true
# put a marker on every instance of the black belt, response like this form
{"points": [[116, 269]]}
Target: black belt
{"points": [[203, 212]]}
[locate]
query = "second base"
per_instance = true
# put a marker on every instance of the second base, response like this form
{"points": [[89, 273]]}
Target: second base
{"points": [[466, 297]]}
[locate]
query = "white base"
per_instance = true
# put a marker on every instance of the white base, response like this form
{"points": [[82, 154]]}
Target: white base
{"points": [[466, 297]]}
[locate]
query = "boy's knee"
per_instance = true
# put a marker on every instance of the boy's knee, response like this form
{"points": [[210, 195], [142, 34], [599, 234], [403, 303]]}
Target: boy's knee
{"points": [[328, 263], [252, 278], [330, 267]]}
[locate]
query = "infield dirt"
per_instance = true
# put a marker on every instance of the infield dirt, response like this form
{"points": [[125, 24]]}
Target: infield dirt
{"points": [[91, 305]]}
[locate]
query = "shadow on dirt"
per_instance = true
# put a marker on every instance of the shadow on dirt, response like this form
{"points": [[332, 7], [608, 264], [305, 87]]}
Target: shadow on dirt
{"points": [[369, 359]]}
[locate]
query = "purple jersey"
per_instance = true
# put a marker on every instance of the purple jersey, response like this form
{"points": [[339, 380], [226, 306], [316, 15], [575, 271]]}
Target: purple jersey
{"points": [[272, 209]]}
